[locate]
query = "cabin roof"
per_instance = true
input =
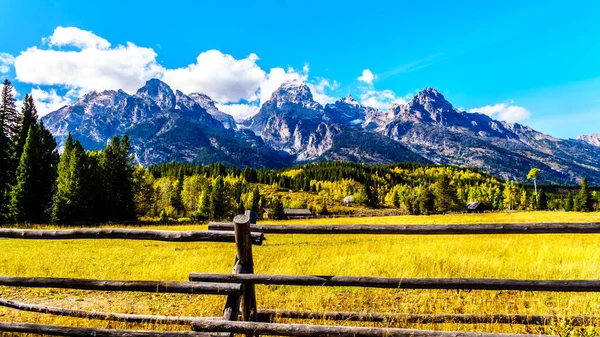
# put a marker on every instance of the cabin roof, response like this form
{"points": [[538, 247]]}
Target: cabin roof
{"points": [[294, 211], [474, 205]]}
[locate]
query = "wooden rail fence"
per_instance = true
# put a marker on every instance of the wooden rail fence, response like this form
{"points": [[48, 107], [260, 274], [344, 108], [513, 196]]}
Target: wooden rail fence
{"points": [[239, 286], [492, 228], [129, 234]]}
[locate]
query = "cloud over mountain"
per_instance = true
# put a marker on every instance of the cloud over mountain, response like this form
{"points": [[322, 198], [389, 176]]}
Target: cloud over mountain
{"points": [[78, 60], [504, 112]]}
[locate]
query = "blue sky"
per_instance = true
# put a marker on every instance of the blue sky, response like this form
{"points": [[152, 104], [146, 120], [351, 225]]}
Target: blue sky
{"points": [[529, 61]]}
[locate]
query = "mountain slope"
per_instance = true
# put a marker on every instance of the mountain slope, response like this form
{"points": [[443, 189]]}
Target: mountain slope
{"points": [[593, 139], [432, 127], [293, 122], [163, 126], [209, 105], [291, 127]]}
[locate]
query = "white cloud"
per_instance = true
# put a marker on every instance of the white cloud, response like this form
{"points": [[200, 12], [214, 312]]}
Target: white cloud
{"points": [[238, 111], [73, 36], [319, 90], [124, 67], [380, 99], [92, 63], [47, 101], [220, 76], [504, 112], [367, 76], [6, 61]]}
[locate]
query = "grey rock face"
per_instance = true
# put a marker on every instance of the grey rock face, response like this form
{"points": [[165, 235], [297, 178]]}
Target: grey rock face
{"points": [[291, 127], [209, 105], [163, 126], [592, 139]]}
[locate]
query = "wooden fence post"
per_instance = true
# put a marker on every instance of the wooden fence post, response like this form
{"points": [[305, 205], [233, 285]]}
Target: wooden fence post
{"points": [[243, 242]]}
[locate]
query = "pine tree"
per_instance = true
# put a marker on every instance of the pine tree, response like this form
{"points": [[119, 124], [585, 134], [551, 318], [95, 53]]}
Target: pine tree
{"points": [[585, 201], [143, 191], [255, 200], [445, 195], [218, 209], [276, 212], [70, 202], [175, 197], [31, 196], [116, 166], [371, 193], [8, 110], [25, 195], [49, 158], [542, 201], [204, 204], [569, 203], [426, 202], [25, 120], [8, 163]]}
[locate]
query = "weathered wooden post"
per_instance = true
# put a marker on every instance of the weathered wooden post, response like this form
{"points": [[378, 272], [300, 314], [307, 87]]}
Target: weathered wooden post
{"points": [[245, 264]]}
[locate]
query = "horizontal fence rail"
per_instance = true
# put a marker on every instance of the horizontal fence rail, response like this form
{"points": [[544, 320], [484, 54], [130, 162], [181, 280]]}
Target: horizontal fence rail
{"points": [[130, 234], [270, 315], [404, 283], [112, 285], [108, 316], [492, 228], [279, 329], [57, 330]]}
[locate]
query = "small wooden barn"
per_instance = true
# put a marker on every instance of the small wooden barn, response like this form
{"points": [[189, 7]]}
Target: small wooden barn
{"points": [[294, 213], [476, 207]]}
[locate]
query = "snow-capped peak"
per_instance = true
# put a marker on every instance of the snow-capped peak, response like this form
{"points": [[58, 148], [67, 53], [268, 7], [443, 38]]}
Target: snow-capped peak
{"points": [[350, 100], [296, 92]]}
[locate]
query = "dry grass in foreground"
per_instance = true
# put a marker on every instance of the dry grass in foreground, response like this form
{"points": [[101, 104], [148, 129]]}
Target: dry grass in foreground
{"points": [[569, 256]]}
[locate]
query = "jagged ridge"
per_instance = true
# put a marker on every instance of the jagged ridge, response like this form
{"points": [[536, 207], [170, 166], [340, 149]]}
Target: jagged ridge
{"points": [[292, 128]]}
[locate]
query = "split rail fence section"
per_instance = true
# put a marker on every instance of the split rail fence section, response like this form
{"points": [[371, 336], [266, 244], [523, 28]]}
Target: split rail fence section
{"points": [[241, 315]]}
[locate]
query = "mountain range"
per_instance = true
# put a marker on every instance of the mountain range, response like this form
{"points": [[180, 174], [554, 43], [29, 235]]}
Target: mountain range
{"points": [[292, 128]]}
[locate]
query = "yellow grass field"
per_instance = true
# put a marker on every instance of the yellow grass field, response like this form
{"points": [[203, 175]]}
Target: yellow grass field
{"points": [[541, 256]]}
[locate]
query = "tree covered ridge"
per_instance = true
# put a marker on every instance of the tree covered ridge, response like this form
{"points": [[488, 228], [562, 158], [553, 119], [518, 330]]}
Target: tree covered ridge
{"points": [[410, 188]]}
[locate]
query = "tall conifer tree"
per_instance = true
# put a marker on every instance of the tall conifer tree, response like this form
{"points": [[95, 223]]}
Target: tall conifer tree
{"points": [[27, 118], [69, 202], [584, 198], [25, 195], [445, 195], [218, 202], [8, 164]]}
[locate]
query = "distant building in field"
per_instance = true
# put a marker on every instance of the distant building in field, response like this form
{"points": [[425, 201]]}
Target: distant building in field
{"points": [[475, 207], [293, 213], [348, 199]]}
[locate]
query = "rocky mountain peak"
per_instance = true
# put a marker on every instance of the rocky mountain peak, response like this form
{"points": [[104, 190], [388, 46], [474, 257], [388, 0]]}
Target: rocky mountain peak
{"points": [[101, 100], [592, 139], [209, 105], [431, 98], [295, 92], [157, 92], [350, 100]]}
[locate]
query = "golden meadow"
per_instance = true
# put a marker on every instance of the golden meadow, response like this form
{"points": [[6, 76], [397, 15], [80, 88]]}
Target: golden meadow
{"points": [[536, 256]]}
